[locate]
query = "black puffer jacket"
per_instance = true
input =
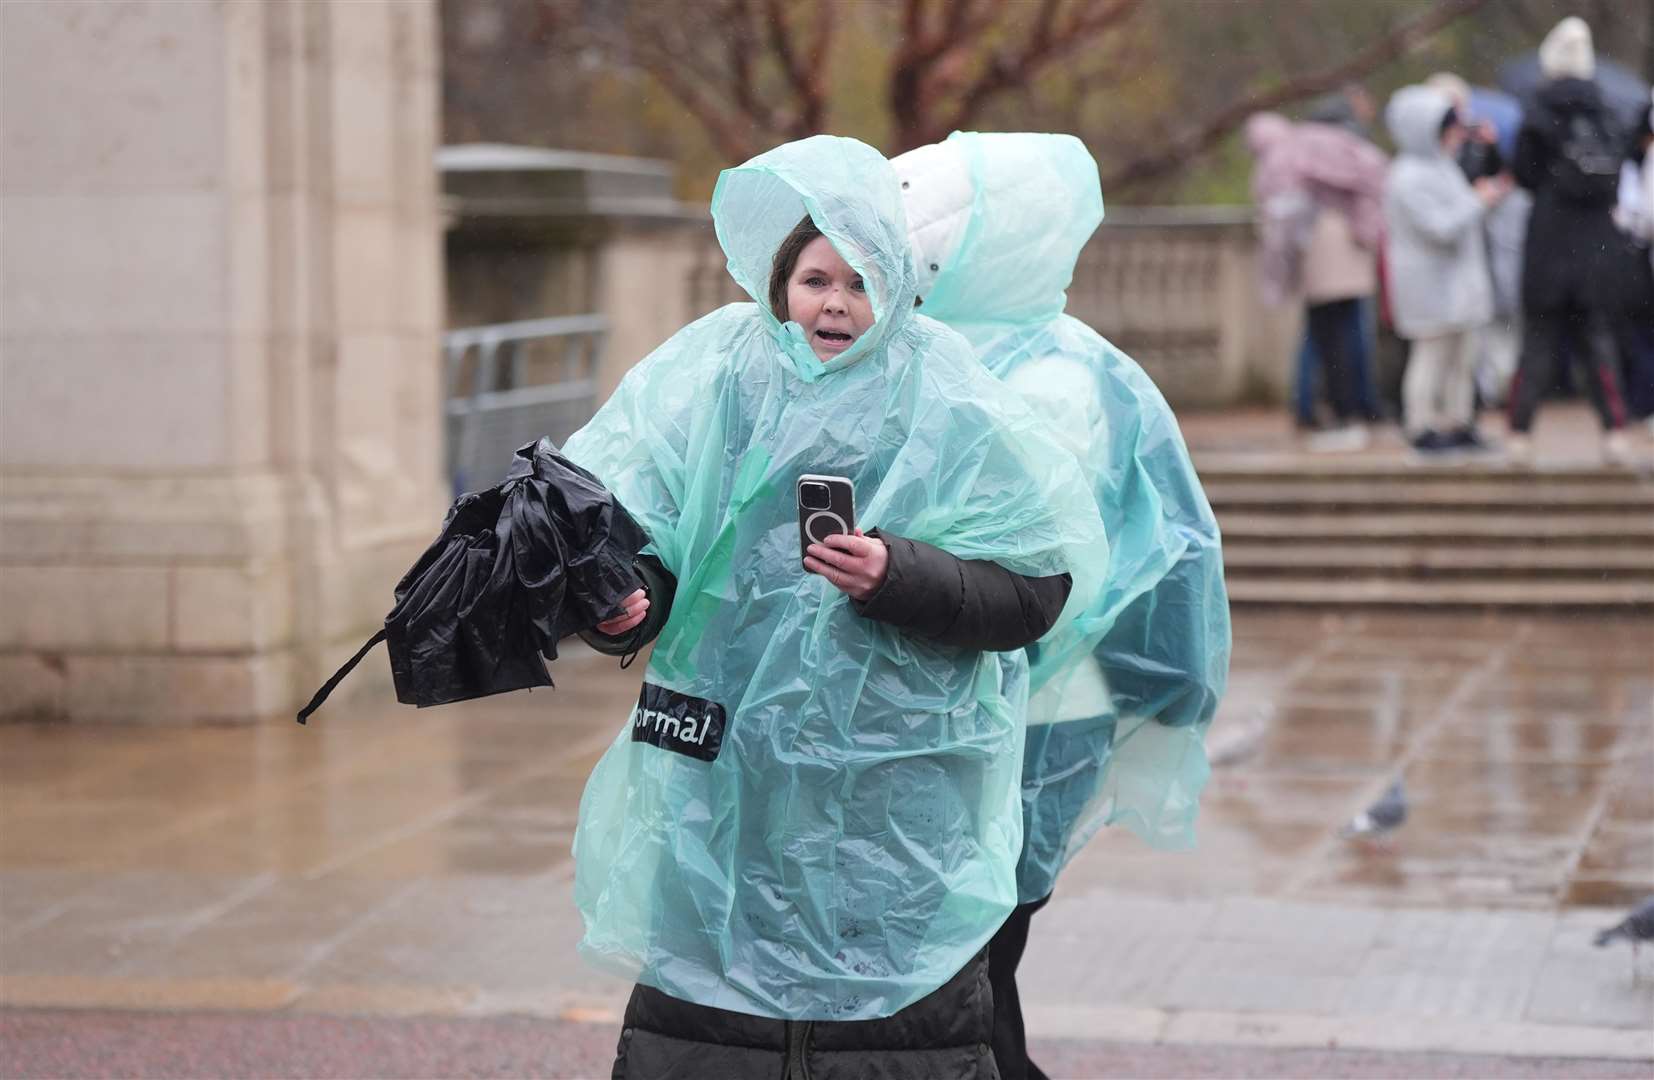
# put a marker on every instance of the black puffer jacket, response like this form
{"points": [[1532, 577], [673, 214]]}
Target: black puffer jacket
{"points": [[966, 603], [1571, 246], [942, 1036]]}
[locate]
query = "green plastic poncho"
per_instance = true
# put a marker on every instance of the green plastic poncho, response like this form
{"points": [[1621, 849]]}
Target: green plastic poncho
{"points": [[1123, 697], [811, 815]]}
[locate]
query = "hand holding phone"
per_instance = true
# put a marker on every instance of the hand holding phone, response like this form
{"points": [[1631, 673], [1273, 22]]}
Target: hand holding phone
{"points": [[854, 563], [832, 545]]}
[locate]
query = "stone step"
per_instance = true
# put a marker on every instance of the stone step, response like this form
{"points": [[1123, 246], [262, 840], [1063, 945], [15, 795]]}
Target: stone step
{"points": [[1423, 562], [1504, 529], [1499, 593], [1385, 495], [1287, 468]]}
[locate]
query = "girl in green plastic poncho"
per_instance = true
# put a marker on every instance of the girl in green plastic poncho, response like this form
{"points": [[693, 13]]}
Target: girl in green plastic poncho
{"points": [[812, 816], [1123, 695]]}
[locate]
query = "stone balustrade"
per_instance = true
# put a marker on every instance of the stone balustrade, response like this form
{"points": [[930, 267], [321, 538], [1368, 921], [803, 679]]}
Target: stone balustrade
{"points": [[1173, 287]]}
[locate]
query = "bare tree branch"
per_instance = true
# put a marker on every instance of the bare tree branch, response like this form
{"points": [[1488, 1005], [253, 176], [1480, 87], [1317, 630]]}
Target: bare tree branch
{"points": [[907, 66], [739, 54], [681, 72], [928, 60], [1175, 151], [1046, 44], [813, 96], [913, 23], [804, 78], [750, 71], [781, 42], [822, 41]]}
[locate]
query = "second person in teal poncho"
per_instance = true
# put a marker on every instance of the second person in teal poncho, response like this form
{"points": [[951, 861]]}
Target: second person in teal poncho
{"points": [[1123, 695]]}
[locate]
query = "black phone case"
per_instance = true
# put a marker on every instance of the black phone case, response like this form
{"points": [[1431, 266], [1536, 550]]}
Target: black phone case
{"points": [[814, 526]]}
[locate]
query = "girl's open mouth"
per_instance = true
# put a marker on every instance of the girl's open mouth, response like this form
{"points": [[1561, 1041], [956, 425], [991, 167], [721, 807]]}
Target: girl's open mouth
{"points": [[836, 337]]}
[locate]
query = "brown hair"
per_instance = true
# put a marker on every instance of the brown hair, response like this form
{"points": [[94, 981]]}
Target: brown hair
{"points": [[786, 259]]}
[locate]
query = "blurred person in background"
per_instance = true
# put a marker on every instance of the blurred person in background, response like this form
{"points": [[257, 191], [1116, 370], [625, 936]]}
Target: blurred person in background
{"points": [[1504, 227], [1352, 109], [1568, 154], [1441, 294], [1317, 189], [1634, 325]]}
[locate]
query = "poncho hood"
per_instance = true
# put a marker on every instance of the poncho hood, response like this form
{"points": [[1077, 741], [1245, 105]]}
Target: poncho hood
{"points": [[1414, 116], [997, 222], [850, 191]]}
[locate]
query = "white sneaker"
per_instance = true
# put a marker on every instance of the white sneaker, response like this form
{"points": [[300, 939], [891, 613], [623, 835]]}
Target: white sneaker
{"points": [[1519, 451], [1616, 450], [1339, 440]]}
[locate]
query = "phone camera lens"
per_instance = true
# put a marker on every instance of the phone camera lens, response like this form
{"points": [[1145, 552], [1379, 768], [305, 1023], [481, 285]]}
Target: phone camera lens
{"points": [[814, 496]]}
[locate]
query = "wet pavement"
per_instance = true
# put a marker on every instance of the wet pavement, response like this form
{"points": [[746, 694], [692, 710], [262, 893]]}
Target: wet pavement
{"points": [[415, 863], [1527, 747], [70, 1046]]}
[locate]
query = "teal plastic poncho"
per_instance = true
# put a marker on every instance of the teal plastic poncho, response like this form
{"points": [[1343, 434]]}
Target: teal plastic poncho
{"points": [[1123, 697], [811, 815]]}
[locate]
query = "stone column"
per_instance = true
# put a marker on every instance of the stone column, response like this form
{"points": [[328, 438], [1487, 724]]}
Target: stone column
{"points": [[219, 356]]}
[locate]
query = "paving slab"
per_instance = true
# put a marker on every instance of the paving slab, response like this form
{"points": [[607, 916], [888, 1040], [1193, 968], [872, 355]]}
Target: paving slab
{"points": [[416, 864], [87, 1044]]}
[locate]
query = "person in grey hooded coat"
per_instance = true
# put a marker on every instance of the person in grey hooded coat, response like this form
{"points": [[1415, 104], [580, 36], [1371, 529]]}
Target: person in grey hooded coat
{"points": [[1440, 289]]}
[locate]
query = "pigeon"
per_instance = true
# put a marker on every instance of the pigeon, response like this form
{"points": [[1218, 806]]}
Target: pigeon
{"points": [[1381, 818], [1636, 928]]}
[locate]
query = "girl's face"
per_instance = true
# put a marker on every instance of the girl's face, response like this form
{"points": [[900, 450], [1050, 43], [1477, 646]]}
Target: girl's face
{"points": [[828, 299], [1453, 138]]}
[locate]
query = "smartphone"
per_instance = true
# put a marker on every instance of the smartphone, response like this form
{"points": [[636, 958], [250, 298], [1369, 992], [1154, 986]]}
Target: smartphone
{"points": [[826, 505]]}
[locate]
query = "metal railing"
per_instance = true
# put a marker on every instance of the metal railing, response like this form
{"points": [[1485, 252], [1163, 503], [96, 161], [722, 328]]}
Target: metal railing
{"points": [[510, 383]]}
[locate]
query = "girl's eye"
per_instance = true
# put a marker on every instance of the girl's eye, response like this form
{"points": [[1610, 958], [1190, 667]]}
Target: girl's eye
{"points": [[858, 286], [815, 282]]}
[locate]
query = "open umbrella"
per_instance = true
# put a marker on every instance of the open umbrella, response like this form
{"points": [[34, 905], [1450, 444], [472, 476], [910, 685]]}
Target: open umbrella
{"points": [[518, 567], [1625, 94], [1501, 110]]}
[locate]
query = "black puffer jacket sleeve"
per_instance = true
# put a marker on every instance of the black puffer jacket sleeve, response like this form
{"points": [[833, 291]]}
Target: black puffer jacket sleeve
{"points": [[661, 586], [971, 604], [1531, 162]]}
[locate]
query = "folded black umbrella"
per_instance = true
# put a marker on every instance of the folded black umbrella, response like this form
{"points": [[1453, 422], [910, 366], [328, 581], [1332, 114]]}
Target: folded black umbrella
{"points": [[516, 569]]}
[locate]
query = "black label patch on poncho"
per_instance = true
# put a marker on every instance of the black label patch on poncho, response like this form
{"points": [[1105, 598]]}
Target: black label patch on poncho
{"points": [[685, 725]]}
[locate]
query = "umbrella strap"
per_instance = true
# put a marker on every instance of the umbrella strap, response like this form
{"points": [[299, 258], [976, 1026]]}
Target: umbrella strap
{"points": [[338, 676], [634, 646]]}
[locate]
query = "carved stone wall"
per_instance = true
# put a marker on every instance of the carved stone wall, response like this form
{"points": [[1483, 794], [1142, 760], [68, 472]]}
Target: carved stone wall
{"points": [[219, 347]]}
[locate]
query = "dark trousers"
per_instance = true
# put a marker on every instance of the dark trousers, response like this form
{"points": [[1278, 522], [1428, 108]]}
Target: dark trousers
{"points": [[946, 1033], [1573, 330], [1634, 330], [1637, 363], [1306, 385], [1004, 954], [1335, 328]]}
